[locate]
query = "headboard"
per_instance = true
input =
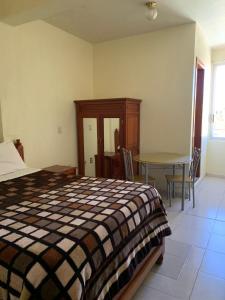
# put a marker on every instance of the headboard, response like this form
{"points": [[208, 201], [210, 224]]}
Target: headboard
{"points": [[19, 148]]}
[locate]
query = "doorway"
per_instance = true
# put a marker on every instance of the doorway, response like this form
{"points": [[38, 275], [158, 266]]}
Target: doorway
{"points": [[198, 108]]}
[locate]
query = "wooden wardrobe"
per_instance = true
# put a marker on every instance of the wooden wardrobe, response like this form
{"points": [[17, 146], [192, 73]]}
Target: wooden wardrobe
{"points": [[103, 128]]}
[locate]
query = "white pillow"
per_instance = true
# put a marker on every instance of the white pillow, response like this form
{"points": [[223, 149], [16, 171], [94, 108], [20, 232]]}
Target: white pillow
{"points": [[10, 160]]}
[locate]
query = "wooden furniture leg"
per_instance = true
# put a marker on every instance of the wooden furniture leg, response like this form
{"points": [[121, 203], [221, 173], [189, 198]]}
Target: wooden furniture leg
{"points": [[160, 259]]}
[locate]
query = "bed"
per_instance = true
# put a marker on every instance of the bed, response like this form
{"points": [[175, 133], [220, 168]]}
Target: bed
{"points": [[65, 237]]}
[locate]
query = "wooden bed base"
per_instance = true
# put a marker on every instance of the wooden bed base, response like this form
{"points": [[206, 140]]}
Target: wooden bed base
{"points": [[154, 257]]}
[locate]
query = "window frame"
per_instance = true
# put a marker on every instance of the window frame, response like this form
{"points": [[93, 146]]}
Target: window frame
{"points": [[212, 106]]}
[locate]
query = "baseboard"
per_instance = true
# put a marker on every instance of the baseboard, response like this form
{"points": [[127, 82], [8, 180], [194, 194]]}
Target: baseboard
{"points": [[215, 175], [199, 180]]}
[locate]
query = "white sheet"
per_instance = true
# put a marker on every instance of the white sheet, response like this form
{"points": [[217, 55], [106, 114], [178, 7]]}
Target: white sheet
{"points": [[10, 160], [18, 173]]}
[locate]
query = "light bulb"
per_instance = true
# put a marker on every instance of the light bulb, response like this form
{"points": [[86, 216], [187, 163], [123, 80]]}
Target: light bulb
{"points": [[151, 12]]}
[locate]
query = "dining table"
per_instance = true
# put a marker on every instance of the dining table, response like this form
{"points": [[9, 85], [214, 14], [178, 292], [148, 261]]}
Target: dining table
{"points": [[165, 159]]}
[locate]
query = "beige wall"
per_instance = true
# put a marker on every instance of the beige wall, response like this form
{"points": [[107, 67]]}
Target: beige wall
{"points": [[218, 55], [157, 68], [203, 53], [5, 66], [43, 69], [1, 129], [216, 147]]}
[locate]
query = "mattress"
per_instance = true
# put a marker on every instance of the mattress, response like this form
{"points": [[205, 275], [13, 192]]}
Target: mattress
{"points": [[18, 173], [67, 238]]}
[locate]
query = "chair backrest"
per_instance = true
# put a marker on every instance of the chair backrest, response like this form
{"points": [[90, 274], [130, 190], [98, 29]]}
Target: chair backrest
{"points": [[195, 162], [128, 164]]}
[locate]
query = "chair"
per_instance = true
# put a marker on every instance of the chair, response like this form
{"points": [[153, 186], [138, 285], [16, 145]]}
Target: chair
{"points": [[190, 179], [129, 169]]}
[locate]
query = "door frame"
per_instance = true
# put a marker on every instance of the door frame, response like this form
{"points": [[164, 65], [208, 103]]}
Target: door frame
{"points": [[198, 108]]}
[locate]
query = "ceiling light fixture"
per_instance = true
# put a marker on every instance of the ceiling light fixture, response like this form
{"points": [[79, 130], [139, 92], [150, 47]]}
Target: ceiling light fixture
{"points": [[152, 12]]}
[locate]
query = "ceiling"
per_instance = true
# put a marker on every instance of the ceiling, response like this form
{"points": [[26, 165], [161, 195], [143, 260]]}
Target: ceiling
{"points": [[101, 20]]}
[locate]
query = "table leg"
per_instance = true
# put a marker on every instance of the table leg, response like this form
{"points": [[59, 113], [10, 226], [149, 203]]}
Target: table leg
{"points": [[173, 182], [183, 187], [146, 173]]}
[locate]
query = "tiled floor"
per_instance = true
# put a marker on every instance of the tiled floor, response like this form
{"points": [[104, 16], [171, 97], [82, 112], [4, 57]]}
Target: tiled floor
{"points": [[194, 264]]}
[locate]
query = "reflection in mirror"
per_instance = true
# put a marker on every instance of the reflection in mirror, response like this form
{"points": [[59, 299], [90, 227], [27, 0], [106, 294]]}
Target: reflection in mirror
{"points": [[90, 145], [111, 133]]}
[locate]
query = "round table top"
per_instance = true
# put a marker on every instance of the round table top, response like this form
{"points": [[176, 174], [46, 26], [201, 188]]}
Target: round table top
{"points": [[163, 158]]}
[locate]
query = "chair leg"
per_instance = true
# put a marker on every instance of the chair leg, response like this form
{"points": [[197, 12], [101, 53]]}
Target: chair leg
{"points": [[170, 196], [173, 190], [189, 191], [193, 191], [173, 184]]}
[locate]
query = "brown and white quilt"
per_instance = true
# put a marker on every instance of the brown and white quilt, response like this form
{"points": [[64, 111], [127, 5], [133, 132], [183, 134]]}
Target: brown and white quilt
{"points": [[68, 238]]}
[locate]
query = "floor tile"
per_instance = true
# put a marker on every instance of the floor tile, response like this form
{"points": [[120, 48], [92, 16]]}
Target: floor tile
{"points": [[219, 227], [208, 288], [173, 217], [217, 243], [221, 211], [194, 264], [177, 248], [146, 293], [213, 183], [209, 196], [194, 222], [182, 286], [195, 258], [176, 205], [193, 230], [214, 264], [206, 209], [196, 237], [171, 266]]}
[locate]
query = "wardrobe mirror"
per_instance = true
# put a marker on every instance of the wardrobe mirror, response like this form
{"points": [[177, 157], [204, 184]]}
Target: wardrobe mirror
{"points": [[90, 145], [111, 134]]}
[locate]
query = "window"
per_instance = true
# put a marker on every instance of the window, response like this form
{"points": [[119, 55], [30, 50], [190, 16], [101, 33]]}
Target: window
{"points": [[218, 124]]}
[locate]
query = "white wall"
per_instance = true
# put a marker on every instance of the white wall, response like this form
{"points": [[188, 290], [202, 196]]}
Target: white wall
{"points": [[216, 147], [43, 69], [203, 53]]}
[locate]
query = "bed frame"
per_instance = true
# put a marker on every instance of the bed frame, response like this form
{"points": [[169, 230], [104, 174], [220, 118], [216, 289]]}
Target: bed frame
{"points": [[19, 148], [141, 272]]}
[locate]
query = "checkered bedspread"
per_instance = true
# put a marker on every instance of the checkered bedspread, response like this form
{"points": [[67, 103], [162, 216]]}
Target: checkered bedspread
{"points": [[67, 238]]}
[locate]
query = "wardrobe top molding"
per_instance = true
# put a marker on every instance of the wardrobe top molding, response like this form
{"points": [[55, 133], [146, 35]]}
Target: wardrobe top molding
{"points": [[114, 107], [108, 100]]}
